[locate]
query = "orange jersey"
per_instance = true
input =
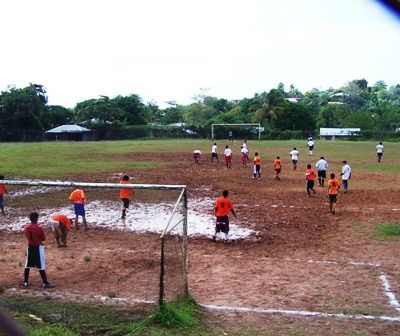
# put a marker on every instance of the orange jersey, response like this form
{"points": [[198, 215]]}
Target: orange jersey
{"points": [[77, 196], [310, 175], [334, 186], [223, 206], [277, 164], [63, 219], [257, 160], [125, 193], [3, 189]]}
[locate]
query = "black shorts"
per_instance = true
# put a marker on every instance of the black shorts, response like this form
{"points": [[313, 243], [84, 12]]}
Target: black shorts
{"points": [[125, 202], [214, 155], [278, 170], [333, 198], [294, 162], [310, 148], [310, 184], [35, 257], [322, 173], [222, 224]]}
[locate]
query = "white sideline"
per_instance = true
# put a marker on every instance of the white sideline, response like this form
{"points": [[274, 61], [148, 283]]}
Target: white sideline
{"points": [[389, 293], [298, 313]]}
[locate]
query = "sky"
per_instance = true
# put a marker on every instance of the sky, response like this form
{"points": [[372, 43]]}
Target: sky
{"points": [[170, 50]]}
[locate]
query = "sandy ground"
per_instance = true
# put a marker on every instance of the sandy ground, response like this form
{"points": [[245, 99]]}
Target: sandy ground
{"points": [[287, 251]]}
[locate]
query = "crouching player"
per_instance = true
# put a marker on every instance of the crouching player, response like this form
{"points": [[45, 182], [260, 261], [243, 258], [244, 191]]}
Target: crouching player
{"points": [[61, 225], [223, 206]]}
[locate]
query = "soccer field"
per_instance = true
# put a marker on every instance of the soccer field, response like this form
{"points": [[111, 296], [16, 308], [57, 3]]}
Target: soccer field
{"points": [[289, 258]]}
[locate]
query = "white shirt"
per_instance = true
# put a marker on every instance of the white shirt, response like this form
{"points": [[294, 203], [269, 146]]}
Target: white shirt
{"points": [[310, 143], [346, 171], [379, 148], [213, 149], [244, 150], [197, 151], [321, 164], [294, 154], [244, 145], [228, 152]]}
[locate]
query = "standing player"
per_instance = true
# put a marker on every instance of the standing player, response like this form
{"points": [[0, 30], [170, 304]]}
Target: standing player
{"points": [[379, 151], [35, 255], [334, 186], [61, 225], [310, 177], [125, 195], [257, 166], [223, 206], [214, 152], [228, 157], [322, 167], [294, 154], [346, 175], [244, 152], [310, 144], [277, 167], [197, 155], [78, 198], [3, 190], [230, 134]]}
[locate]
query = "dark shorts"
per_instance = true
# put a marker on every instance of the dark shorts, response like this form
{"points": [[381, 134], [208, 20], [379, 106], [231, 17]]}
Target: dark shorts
{"points": [[214, 155], [79, 209], [222, 224], [125, 202], [294, 162], [35, 257], [310, 184], [1, 201], [310, 148], [257, 169], [278, 170], [379, 155], [332, 198], [322, 173]]}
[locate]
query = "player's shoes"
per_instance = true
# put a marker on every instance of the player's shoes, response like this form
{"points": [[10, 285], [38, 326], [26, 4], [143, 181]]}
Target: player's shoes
{"points": [[48, 285], [25, 284]]}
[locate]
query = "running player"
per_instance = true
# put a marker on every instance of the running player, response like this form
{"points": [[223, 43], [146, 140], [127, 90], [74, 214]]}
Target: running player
{"points": [[310, 178], [228, 157], [125, 195], [61, 225], [3, 190], [379, 151], [214, 152], [294, 154], [310, 144], [278, 167], [35, 255], [244, 156], [322, 167], [223, 206], [78, 198], [346, 175], [257, 166], [334, 186]]}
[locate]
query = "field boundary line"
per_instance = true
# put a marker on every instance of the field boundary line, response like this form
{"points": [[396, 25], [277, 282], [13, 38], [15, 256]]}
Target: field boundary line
{"points": [[393, 302]]}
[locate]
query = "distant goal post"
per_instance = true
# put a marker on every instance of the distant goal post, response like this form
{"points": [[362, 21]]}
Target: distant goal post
{"points": [[250, 128]]}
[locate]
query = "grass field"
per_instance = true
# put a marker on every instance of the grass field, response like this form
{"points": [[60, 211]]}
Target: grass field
{"points": [[302, 259]]}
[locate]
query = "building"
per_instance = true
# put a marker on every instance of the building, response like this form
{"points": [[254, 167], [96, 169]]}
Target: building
{"points": [[69, 132], [333, 133]]}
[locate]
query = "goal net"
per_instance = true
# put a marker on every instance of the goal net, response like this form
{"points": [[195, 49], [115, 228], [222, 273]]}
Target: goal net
{"points": [[142, 258], [236, 131]]}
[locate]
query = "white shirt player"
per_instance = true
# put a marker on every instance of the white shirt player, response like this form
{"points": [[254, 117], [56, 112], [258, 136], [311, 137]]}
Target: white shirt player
{"points": [[214, 149], [310, 143], [244, 150], [346, 172], [321, 164], [197, 151], [228, 152], [294, 154], [379, 149]]}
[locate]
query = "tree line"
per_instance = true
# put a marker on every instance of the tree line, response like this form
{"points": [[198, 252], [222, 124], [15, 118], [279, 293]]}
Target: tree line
{"points": [[25, 113]]}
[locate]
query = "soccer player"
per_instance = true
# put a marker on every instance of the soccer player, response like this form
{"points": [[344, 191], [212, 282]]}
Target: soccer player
{"points": [[125, 195], [61, 225], [294, 154], [78, 198], [310, 144], [257, 166], [310, 177], [214, 152], [228, 157], [230, 134], [35, 255], [379, 151], [346, 175], [3, 190], [277, 167], [196, 155], [334, 186], [322, 167], [223, 206], [244, 156]]}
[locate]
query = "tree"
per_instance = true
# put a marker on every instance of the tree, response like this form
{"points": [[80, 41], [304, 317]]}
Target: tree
{"points": [[57, 115]]}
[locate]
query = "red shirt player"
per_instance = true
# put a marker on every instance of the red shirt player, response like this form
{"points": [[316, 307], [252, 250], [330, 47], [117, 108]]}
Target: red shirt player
{"points": [[125, 195], [223, 206]]}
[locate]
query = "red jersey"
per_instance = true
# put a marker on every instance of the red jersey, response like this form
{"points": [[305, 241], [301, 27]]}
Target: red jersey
{"points": [[223, 206], [34, 234], [3, 189], [310, 175], [125, 193], [63, 219]]}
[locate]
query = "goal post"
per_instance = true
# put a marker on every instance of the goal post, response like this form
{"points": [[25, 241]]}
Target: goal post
{"points": [[254, 128], [181, 205]]}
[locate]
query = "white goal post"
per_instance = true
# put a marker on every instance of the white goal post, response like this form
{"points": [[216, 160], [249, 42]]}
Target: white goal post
{"points": [[255, 125]]}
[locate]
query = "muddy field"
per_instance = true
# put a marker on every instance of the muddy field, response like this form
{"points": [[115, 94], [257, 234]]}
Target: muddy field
{"points": [[286, 253]]}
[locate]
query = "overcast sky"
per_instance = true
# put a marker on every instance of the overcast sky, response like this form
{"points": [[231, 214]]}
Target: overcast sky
{"points": [[168, 49]]}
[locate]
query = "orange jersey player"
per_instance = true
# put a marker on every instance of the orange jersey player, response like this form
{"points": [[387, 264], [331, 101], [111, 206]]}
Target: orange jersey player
{"points": [[125, 196], [277, 167], [334, 186], [310, 177], [257, 166], [78, 198], [223, 206], [61, 225]]}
